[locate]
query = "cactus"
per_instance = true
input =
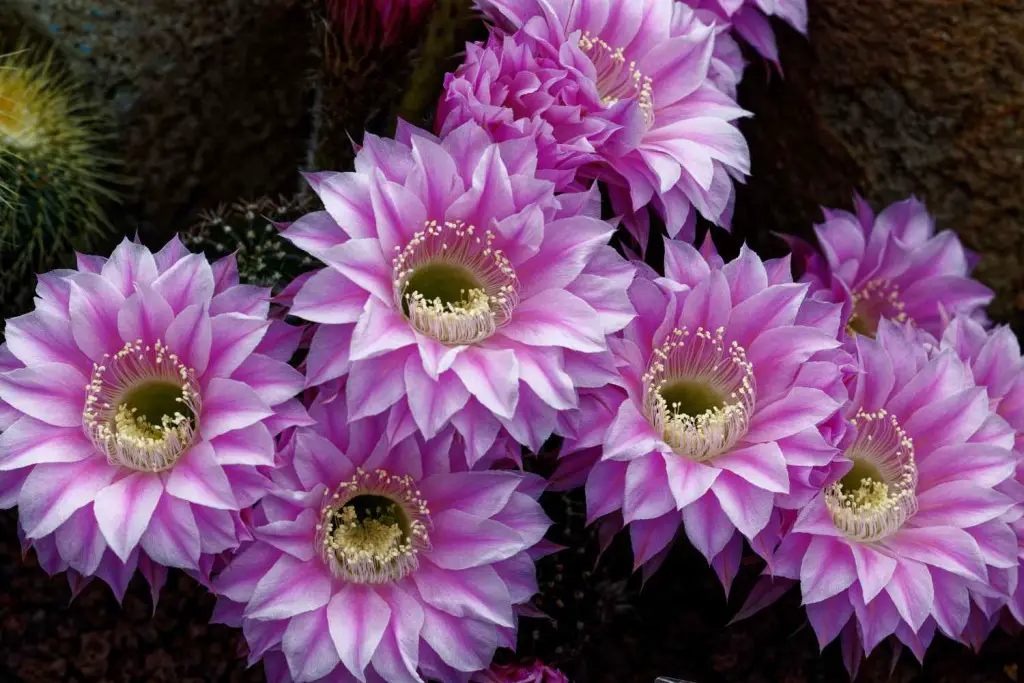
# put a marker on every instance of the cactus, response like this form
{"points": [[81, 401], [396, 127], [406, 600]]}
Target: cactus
{"points": [[54, 178], [248, 229]]}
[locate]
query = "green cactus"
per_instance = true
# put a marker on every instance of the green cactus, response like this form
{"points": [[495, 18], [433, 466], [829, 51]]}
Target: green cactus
{"points": [[54, 178], [247, 229]]}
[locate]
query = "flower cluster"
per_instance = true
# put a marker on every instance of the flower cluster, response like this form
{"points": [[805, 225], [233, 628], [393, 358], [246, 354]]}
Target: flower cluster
{"points": [[354, 490]]}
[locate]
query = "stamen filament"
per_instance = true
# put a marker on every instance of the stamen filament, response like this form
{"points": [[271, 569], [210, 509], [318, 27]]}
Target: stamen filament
{"points": [[705, 364]]}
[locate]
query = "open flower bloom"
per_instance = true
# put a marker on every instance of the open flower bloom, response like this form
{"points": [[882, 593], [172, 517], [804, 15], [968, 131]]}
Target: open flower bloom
{"points": [[750, 20], [731, 383], [138, 402], [917, 530], [995, 362], [379, 563], [458, 288], [628, 92], [891, 266]]}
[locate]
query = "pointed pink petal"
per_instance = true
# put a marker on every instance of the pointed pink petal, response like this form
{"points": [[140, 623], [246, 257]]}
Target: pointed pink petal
{"points": [[763, 465], [374, 385], [53, 492], [707, 527], [80, 542], [651, 536], [190, 335], [229, 405], [124, 508], [911, 592], [329, 297], [747, 507], [130, 263], [475, 593], [252, 445], [463, 644], [380, 329], [827, 570], [647, 495], [51, 392], [828, 618], [328, 354], [235, 337], [308, 647], [959, 504], [462, 540], [491, 376], [197, 478], [275, 381], [556, 318], [172, 537], [688, 480], [798, 410], [144, 315], [432, 403], [363, 262], [630, 435], [874, 569], [357, 618], [289, 588], [944, 547], [31, 442], [188, 281]]}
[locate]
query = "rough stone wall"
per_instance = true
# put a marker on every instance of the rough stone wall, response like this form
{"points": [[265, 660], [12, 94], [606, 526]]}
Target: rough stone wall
{"points": [[210, 97], [892, 98]]}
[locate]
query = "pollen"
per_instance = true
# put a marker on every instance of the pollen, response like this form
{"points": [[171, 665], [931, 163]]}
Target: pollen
{"points": [[373, 528], [142, 407], [877, 299], [699, 392], [617, 78], [453, 284], [878, 495]]}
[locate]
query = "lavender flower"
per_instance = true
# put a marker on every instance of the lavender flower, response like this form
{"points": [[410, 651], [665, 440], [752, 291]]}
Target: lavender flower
{"points": [[891, 266], [376, 562], [459, 287], [725, 410], [138, 403], [622, 96]]}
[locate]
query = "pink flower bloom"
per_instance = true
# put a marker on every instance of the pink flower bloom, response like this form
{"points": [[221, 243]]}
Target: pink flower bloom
{"points": [[750, 19], [917, 530], [139, 402], [995, 362], [730, 381], [537, 672], [622, 96], [891, 266], [458, 288], [378, 563]]}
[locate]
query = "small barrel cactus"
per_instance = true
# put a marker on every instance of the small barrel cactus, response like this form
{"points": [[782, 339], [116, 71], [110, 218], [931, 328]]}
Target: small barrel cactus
{"points": [[54, 178], [248, 229]]}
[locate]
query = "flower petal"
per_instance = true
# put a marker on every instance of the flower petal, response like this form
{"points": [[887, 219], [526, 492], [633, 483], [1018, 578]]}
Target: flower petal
{"points": [[172, 536], [124, 508], [491, 377], [763, 465], [357, 618], [556, 318], [289, 588], [198, 478], [229, 405], [308, 647], [54, 491]]}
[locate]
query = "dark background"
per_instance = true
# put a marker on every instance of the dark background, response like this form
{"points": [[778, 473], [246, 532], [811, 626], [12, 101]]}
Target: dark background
{"points": [[212, 100]]}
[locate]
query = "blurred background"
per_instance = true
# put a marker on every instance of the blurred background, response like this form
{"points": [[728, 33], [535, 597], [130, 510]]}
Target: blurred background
{"points": [[204, 113]]}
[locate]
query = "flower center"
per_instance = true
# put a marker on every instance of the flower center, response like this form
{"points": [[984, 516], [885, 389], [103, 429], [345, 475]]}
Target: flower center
{"points": [[699, 393], [453, 285], [142, 407], [617, 79], [877, 496], [373, 527], [877, 299]]}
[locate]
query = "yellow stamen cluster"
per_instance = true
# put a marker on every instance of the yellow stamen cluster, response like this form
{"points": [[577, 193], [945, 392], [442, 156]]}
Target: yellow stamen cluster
{"points": [[876, 299], [722, 370], [871, 509], [478, 310], [616, 79], [373, 527], [124, 433]]}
